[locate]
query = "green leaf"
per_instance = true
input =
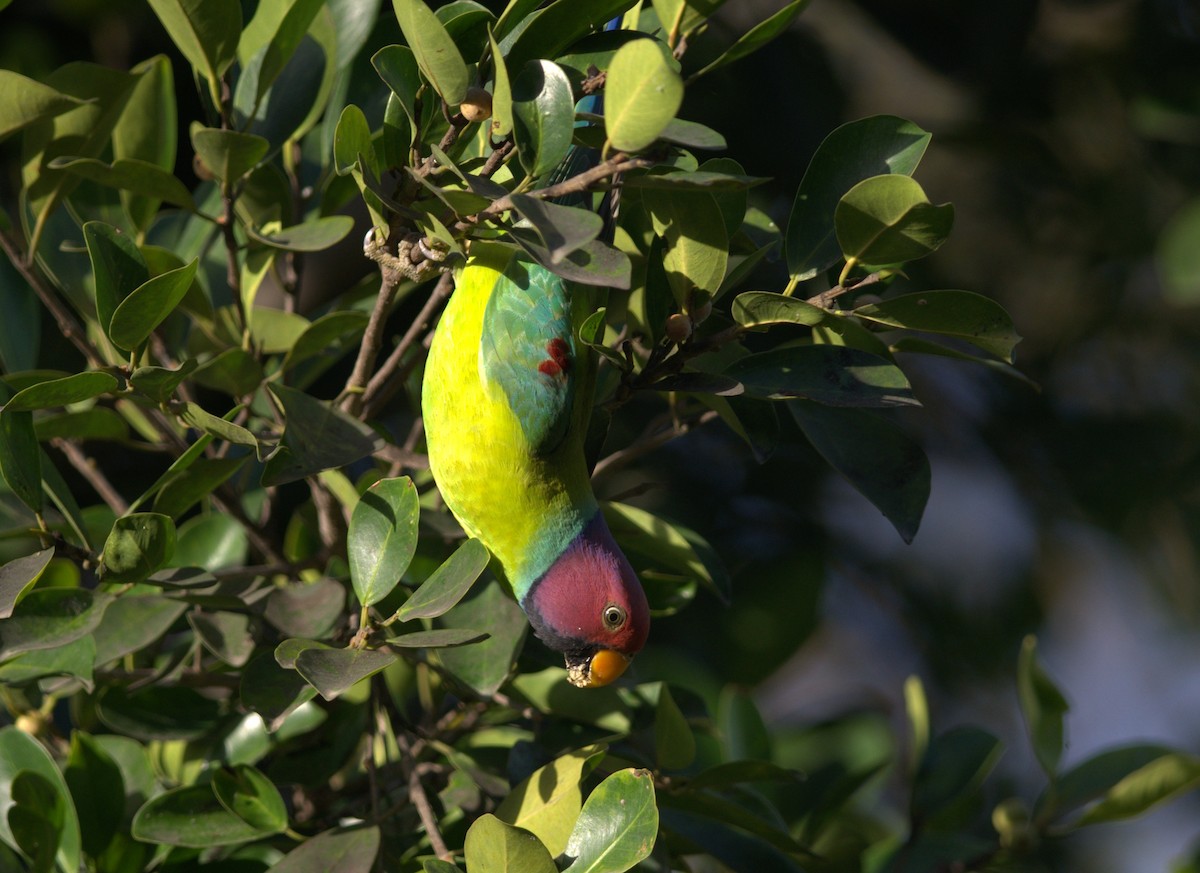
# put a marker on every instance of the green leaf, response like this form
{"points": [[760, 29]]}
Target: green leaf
{"points": [[272, 691], [493, 846], [832, 375], [382, 538], [1096, 776], [20, 320], [330, 336], [438, 639], [336, 851], [50, 617], [882, 462], [76, 658], [133, 622], [96, 423], [954, 764], [352, 142], [594, 264], [550, 692], [138, 544], [563, 229], [252, 797], [306, 609], [20, 458], [225, 634], [692, 135], [697, 248], [18, 576], [228, 154], [855, 151], [758, 308], [37, 818], [282, 44], [888, 220], [547, 32], [543, 116], [484, 667], [214, 540], [448, 584], [134, 176], [193, 416], [317, 437], [435, 51], [683, 16], [741, 726], [674, 742], [642, 93], [19, 753], [191, 816], [737, 772], [1160, 780], [184, 490], [62, 392], [234, 371], [1043, 707], [136, 317], [24, 101], [311, 236], [117, 265], [206, 33], [697, 180], [617, 826], [502, 100], [397, 66], [1177, 255], [961, 314], [548, 801], [334, 671], [159, 383], [755, 38], [97, 791], [157, 713], [146, 133]]}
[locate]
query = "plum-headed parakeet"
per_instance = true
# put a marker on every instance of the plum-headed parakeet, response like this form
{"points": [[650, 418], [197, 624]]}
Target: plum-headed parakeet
{"points": [[506, 400]]}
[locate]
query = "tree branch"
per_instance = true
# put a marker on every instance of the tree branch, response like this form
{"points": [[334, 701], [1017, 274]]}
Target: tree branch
{"points": [[91, 472], [371, 341]]}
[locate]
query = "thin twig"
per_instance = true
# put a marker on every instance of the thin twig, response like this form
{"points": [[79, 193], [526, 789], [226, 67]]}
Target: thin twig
{"points": [[641, 447], [385, 382], [372, 339], [89, 470], [420, 800]]}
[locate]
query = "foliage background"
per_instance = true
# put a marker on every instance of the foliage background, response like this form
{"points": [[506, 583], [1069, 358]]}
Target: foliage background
{"points": [[1067, 135]]}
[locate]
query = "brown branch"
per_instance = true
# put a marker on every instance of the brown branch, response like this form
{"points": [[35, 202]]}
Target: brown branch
{"points": [[91, 472], [641, 447], [372, 339], [67, 325], [618, 163], [387, 380], [826, 297], [420, 800]]}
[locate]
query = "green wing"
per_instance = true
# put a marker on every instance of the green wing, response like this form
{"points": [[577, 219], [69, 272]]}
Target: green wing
{"points": [[528, 350]]}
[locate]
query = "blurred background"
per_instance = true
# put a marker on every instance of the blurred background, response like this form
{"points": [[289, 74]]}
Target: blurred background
{"points": [[1067, 135]]}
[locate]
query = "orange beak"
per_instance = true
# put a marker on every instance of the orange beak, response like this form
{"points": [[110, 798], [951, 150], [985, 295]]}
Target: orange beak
{"points": [[607, 666]]}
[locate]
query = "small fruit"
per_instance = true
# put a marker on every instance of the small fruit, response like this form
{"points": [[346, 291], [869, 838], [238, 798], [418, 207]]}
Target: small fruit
{"points": [[477, 105], [679, 327]]}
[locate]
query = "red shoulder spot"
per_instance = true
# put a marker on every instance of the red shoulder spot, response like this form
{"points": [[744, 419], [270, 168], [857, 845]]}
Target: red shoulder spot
{"points": [[549, 368], [560, 352]]}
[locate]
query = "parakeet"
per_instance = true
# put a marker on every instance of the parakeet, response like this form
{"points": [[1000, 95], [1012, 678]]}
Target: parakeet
{"points": [[506, 400]]}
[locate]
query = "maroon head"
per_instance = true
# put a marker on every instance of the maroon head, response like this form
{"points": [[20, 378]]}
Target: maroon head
{"points": [[590, 606]]}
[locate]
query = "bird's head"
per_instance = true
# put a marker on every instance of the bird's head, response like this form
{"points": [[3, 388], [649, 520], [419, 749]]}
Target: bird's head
{"points": [[589, 605]]}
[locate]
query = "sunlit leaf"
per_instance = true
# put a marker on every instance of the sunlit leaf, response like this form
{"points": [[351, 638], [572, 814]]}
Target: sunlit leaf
{"points": [[543, 116], [492, 846], [642, 93], [618, 825], [435, 51], [888, 220], [448, 584], [24, 101], [382, 538]]}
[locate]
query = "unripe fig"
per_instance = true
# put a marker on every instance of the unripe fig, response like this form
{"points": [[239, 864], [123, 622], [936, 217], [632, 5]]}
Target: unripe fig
{"points": [[477, 105], [679, 327]]}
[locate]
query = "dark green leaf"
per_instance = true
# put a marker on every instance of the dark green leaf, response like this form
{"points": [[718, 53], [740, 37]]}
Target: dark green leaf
{"points": [[642, 93], [193, 416], [190, 816], [757, 308], [339, 851], [282, 45], [225, 634], [198, 481], [448, 584], [19, 752], [252, 797], [133, 622], [24, 101], [543, 116], [167, 712], [502, 100], [617, 826], [888, 220], [50, 617], [737, 772], [20, 320], [138, 544], [334, 671], [691, 135], [1096, 776], [717, 809], [548, 802], [21, 458], [485, 666], [962, 314], [549, 31], [97, 790], [134, 176], [755, 38], [117, 265], [492, 846], [674, 743], [593, 264], [306, 609], [697, 248], [216, 540], [434, 49], [954, 764], [96, 423], [382, 538], [317, 437], [563, 229], [855, 151], [352, 142], [272, 691], [37, 817], [62, 392], [397, 66], [333, 333], [159, 383], [1160, 780], [437, 639], [1043, 706], [147, 132], [700, 180], [741, 726], [832, 375], [228, 154], [876, 457], [234, 371], [1178, 255], [206, 32], [18, 576], [147, 305], [311, 236], [76, 659]]}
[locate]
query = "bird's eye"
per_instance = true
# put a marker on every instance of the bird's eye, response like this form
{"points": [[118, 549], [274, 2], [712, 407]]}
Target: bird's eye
{"points": [[614, 616]]}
